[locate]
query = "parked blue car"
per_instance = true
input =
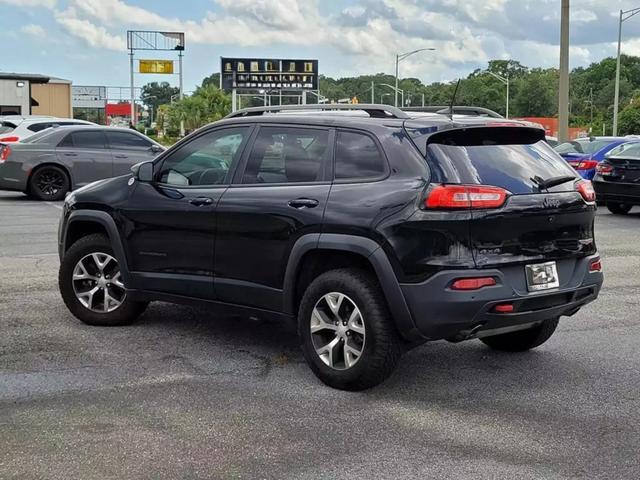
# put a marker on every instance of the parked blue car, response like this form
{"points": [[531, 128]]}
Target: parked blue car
{"points": [[584, 154]]}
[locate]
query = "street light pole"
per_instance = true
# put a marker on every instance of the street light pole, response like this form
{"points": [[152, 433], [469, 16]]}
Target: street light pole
{"points": [[399, 58], [624, 15], [504, 80]]}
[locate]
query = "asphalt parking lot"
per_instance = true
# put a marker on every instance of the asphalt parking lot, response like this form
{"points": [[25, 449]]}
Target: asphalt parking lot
{"points": [[183, 394]]}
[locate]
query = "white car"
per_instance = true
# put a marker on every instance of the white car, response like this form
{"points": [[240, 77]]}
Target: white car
{"points": [[14, 128]]}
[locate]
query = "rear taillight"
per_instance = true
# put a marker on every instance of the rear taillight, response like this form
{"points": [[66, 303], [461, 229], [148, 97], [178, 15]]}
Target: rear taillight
{"points": [[604, 169], [586, 165], [595, 265], [473, 283], [9, 139], [586, 190], [466, 196], [5, 150]]}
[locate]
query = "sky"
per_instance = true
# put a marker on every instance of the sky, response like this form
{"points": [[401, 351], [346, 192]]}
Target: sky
{"points": [[85, 40]]}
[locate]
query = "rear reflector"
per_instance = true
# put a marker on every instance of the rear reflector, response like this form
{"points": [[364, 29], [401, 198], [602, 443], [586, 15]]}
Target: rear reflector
{"points": [[595, 266], [466, 196], [9, 139], [473, 283], [504, 308], [586, 165], [586, 190]]}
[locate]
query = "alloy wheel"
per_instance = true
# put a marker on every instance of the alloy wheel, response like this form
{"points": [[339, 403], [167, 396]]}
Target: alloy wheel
{"points": [[97, 283], [49, 182], [337, 331]]}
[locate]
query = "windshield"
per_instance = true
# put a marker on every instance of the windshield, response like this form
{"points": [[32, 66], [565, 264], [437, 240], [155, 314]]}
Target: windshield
{"points": [[627, 150], [512, 167], [6, 127]]}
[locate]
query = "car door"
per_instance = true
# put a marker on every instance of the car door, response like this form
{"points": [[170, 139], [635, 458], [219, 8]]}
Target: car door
{"points": [[171, 222], [127, 149], [277, 196], [86, 156]]}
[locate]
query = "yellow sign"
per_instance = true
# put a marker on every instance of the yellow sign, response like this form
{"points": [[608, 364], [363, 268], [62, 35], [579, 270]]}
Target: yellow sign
{"points": [[156, 66]]}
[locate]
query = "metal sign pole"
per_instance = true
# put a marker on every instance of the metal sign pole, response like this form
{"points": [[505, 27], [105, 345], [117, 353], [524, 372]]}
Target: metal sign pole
{"points": [[234, 100], [133, 106], [181, 90]]}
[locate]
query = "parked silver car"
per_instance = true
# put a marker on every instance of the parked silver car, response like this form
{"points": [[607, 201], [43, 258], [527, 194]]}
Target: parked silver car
{"points": [[57, 160]]}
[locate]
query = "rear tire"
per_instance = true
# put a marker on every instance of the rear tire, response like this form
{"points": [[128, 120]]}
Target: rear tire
{"points": [[619, 208], [355, 345], [522, 340], [49, 183], [80, 275]]}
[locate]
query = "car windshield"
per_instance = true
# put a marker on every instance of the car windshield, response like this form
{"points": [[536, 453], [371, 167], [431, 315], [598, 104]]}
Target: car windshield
{"points": [[39, 137], [6, 127], [627, 150]]}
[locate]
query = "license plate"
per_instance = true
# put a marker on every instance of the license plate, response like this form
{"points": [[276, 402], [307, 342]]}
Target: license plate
{"points": [[542, 276]]}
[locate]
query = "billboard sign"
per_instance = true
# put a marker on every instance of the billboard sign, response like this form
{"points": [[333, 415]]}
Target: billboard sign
{"points": [[156, 66], [268, 74], [88, 97]]}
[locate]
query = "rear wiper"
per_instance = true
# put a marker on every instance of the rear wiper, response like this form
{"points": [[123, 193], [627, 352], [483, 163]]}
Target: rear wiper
{"points": [[551, 182]]}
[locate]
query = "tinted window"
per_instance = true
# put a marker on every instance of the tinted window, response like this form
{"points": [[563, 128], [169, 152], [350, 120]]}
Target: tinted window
{"points": [[127, 140], [205, 160], [6, 127], [36, 127], [508, 166], [85, 140], [358, 157], [630, 150], [287, 155]]}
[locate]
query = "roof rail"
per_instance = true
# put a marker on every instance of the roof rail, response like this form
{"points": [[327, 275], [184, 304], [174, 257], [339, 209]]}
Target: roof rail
{"points": [[374, 111]]}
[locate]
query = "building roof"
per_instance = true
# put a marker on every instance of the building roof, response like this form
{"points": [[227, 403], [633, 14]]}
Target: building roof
{"points": [[30, 77]]}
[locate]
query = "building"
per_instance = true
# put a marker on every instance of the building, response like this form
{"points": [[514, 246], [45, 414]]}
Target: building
{"points": [[33, 94]]}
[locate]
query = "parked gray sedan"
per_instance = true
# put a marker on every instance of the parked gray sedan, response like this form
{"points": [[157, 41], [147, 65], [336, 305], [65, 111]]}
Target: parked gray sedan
{"points": [[57, 160]]}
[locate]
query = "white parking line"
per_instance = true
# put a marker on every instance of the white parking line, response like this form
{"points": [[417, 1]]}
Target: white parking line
{"points": [[59, 207]]}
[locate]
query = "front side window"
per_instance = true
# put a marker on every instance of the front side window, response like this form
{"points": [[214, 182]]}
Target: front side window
{"points": [[287, 155], [358, 157], [126, 140], [205, 160]]}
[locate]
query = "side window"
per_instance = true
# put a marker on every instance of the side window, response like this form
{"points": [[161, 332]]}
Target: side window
{"points": [[127, 140], [67, 141], [205, 160], [36, 127], [287, 155], [92, 140], [358, 157]]}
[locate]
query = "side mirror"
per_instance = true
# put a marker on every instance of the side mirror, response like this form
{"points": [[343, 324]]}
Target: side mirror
{"points": [[156, 148], [143, 172]]}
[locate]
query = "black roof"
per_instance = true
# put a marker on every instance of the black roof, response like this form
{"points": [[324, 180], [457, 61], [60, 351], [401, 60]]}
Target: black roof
{"points": [[30, 77]]}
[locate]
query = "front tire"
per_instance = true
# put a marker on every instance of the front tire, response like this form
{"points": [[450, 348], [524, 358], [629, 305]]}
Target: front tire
{"points": [[346, 331], [522, 340], [91, 284], [49, 183], [619, 208]]}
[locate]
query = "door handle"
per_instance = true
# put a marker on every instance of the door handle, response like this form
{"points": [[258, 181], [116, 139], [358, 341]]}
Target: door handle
{"points": [[70, 154], [201, 201], [304, 203], [121, 156]]}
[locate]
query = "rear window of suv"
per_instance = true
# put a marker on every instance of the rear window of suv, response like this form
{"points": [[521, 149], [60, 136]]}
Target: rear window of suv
{"points": [[509, 159], [6, 127]]}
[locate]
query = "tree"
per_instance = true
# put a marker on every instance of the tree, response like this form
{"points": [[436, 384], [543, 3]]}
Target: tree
{"points": [[537, 93], [155, 94], [629, 119]]}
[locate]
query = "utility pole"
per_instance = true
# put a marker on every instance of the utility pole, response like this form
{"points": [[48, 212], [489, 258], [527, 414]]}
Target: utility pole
{"points": [[563, 102], [373, 97], [624, 15]]}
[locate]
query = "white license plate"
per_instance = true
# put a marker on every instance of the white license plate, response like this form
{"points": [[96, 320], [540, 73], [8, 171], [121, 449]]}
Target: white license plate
{"points": [[542, 276]]}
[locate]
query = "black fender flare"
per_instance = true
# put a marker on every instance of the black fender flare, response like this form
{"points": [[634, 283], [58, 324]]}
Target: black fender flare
{"points": [[378, 259], [106, 221]]}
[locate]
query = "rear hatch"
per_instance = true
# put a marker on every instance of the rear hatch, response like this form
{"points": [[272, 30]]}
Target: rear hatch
{"points": [[527, 205]]}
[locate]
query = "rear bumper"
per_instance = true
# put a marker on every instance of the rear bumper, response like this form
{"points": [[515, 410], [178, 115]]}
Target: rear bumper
{"points": [[617, 192], [440, 312], [12, 176]]}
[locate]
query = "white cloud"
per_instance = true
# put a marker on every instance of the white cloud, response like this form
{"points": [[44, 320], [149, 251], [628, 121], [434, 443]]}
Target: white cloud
{"points": [[34, 30], [94, 35], [51, 4]]}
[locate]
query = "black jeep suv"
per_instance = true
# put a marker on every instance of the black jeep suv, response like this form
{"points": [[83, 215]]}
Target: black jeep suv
{"points": [[374, 229]]}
